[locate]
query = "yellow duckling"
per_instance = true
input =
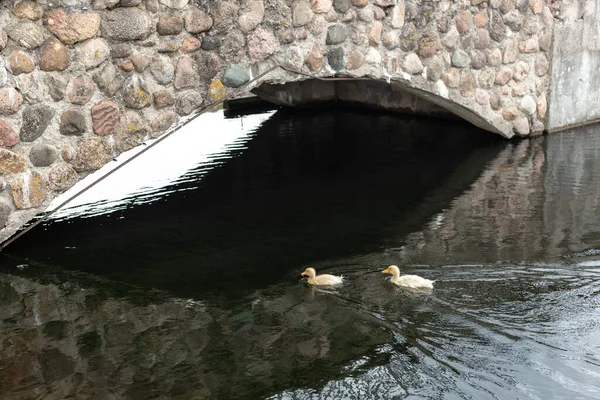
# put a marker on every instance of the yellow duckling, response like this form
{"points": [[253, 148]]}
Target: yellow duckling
{"points": [[322, 280], [410, 281]]}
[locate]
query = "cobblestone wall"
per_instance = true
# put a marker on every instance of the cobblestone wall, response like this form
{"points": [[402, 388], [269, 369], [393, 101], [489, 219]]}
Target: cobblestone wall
{"points": [[82, 81]]}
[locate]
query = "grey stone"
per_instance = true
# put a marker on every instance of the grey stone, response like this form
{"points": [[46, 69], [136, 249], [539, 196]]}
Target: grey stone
{"points": [[336, 34], [107, 78], [481, 40], [57, 86], [62, 177], [342, 5], [528, 105], [486, 78], [120, 50], [163, 121], [435, 69], [511, 51], [301, 13], [162, 69], [26, 34], [43, 155], [514, 20], [335, 58], [130, 131], [412, 64], [209, 66], [72, 123], [408, 37], [460, 58], [135, 93], [478, 59], [235, 75], [126, 24], [197, 21], [450, 39], [468, 84], [224, 14], [91, 154], [93, 52], [31, 87], [187, 102], [36, 119], [210, 43], [497, 27], [521, 126], [185, 75], [233, 46]]}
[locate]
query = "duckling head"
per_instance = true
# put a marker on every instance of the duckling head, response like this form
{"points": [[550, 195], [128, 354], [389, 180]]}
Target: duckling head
{"points": [[310, 272], [392, 269]]}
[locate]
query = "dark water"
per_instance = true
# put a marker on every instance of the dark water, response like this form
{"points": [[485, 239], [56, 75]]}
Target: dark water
{"points": [[192, 290]]}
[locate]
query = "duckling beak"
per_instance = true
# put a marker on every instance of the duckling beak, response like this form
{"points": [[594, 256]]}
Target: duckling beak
{"points": [[386, 271], [303, 274]]}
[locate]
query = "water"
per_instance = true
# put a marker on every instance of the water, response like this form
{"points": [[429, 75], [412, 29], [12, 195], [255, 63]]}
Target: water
{"points": [[189, 287]]}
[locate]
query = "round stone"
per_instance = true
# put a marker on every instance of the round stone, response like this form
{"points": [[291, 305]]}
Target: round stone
{"points": [[163, 98], [130, 132], [336, 34], [10, 101], [301, 13], [62, 177], [20, 62], [29, 191], [169, 25], [528, 105], [185, 75], [36, 119], [82, 91], [412, 64], [187, 102], [125, 24], [135, 93], [235, 75], [72, 123], [105, 116], [26, 34], [163, 121], [335, 58], [43, 155], [162, 69], [197, 21], [356, 59], [91, 154], [460, 59], [28, 10], [428, 44], [190, 44], [11, 163], [262, 44], [211, 43], [8, 136], [54, 56], [342, 5], [71, 28], [93, 52], [315, 60]]}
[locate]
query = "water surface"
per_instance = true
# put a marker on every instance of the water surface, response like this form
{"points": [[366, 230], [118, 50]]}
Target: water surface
{"points": [[189, 287]]}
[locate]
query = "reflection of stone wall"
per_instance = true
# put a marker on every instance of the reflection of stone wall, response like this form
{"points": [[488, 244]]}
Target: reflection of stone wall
{"points": [[82, 83], [65, 340], [499, 218]]}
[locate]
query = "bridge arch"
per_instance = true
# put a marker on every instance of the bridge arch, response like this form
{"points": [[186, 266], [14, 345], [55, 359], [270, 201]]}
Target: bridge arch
{"points": [[82, 81]]}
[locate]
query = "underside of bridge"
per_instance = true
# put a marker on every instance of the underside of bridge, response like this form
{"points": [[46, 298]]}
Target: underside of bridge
{"points": [[374, 93]]}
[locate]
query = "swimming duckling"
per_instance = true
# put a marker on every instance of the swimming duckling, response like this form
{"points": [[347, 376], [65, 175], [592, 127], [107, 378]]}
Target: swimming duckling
{"points": [[322, 280], [410, 281]]}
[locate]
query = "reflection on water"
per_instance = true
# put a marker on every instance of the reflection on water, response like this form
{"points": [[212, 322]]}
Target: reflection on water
{"points": [[198, 295]]}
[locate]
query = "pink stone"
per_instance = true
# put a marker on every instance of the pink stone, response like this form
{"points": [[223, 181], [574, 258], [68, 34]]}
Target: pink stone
{"points": [[82, 91], [105, 116], [8, 137], [481, 18], [321, 6], [374, 34], [464, 21], [190, 44]]}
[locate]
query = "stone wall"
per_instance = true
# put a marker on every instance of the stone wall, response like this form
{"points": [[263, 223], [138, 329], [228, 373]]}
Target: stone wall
{"points": [[83, 81]]}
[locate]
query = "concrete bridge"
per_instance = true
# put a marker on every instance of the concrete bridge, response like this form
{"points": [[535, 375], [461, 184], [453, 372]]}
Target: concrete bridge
{"points": [[84, 80]]}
